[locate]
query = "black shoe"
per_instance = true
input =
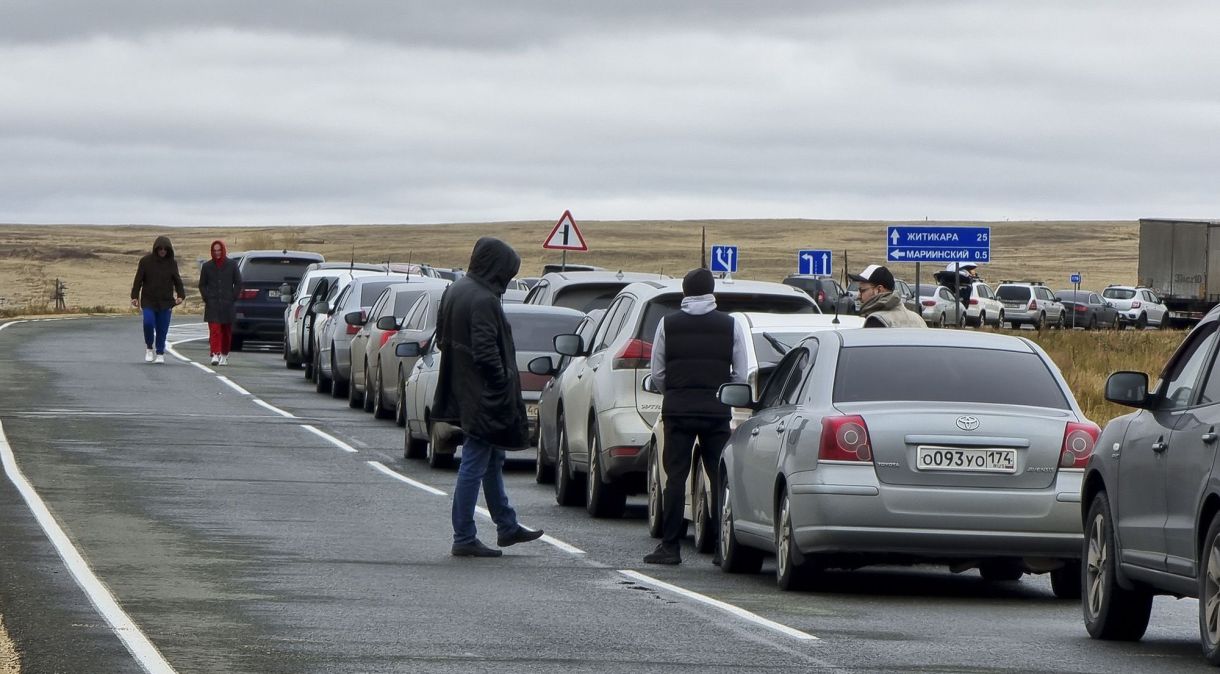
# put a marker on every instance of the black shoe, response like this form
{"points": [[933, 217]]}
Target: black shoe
{"points": [[475, 549], [663, 555], [522, 535]]}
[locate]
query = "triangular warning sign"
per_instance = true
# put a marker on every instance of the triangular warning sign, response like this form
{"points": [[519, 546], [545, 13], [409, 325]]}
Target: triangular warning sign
{"points": [[565, 236]]}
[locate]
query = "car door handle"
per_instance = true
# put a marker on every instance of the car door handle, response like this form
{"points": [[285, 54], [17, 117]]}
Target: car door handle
{"points": [[1159, 446], [1210, 437], [779, 429], [755, 431]]}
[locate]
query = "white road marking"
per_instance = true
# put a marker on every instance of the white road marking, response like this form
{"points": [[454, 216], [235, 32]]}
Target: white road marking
{"points": [[231, 384], [10, 323], [330, 438], [381, 468], [570, 549], [724, 606], [123, 626], [273, 408], [203, 367]]}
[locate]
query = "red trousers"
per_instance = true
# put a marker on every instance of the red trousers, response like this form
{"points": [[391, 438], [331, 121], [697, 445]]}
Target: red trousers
{"points": [[220, 337]]}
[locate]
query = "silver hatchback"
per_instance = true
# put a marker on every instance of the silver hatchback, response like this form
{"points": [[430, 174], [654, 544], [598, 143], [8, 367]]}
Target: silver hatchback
{"points": [[885, 446]]}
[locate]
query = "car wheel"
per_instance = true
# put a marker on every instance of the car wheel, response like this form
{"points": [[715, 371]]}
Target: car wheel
{"points": [[355, 399], [1014, 325], [999, 322], [338, 385], [1092, 323], [705, 524], [568, 489], [1040, 324], [1001, 570], [1209, 593], [380, 411], [734, 557], [602, 499], [544, 472], [400, 405], [792, 570], [1110, 612], [982, 322], [309, 370], [289, 362], [940, 322], [321, 383], [1066, 580], [1062, 323], [656, 522], [370, 393], [437, 459], [1141, 322], [412, 447]]}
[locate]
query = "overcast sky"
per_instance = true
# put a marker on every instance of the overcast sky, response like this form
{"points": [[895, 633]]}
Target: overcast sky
{"points": [[313, 111]]}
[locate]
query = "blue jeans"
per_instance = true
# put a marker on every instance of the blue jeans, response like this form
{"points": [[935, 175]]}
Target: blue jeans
{"points": [[156, 320], [482, 463]]}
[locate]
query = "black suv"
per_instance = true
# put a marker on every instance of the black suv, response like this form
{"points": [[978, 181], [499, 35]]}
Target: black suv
{"points": [[260, 312], [830, 297], [1151, 496]]}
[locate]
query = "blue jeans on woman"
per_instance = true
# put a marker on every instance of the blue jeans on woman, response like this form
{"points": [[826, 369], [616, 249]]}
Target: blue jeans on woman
{"points": [[482, 463], [156, 321]]}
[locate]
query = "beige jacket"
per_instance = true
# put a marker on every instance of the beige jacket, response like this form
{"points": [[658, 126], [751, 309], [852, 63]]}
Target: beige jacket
{"points": [[886, 311]]}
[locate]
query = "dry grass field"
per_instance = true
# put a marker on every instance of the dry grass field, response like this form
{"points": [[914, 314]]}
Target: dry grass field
{"points": [[97, 263]]}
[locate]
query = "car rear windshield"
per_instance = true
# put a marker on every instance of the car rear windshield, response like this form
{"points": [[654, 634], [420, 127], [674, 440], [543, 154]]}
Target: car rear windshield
{"points": [[535, 332], [761, 303], [1013, 292], [274, 269], [405, 301], [768, 351], [587, 296], [945, 374], [370, 290], [1118, 293]]}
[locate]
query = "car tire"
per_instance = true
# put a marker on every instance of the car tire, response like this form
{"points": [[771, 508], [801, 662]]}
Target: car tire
{"points": [[569, 491], [368, 400], [435, 458], [1040, 324], [321, 383], [308, 369], [290, 362], [380, 411], [338, 386], [734, 557], [1110, 612], [999, 320], [355, 399], [544, 473], [1209, 594], [602, 499], [705, 525], [940, 323], [1141, 322], [1062, 323], [400, 405], [412, 447], [1092, 323], [656, 523], [982, 322], [1014, 325], [1001, 570], [792, 570], [1066, 581]]}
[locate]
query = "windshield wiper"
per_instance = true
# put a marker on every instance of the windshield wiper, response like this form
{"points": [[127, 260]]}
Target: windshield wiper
{"points": [[779, 346]]}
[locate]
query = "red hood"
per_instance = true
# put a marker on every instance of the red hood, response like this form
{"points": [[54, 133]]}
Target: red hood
{"points": [[224, 251]]}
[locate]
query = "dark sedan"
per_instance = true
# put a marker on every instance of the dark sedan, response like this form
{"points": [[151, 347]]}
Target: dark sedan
{"points": [[1086, 309]]}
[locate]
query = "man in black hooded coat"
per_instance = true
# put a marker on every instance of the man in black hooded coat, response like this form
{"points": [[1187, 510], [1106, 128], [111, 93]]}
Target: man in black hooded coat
{"points": [[479, 389]]}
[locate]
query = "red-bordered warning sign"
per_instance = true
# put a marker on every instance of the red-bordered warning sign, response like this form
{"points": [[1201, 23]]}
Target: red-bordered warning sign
{"points": [[565, 236]]}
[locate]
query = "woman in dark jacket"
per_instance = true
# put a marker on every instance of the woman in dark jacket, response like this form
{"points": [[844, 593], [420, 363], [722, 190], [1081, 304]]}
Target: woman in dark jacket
{"points": [[219, 284], [156, 290]]}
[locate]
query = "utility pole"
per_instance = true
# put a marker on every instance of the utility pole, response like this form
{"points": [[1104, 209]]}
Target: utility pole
{"points": [[58, 295]]}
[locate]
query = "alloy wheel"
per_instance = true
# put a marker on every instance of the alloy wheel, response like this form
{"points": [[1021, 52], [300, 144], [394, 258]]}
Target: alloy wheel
{"points": [[1211, 593], [1096, 566]]}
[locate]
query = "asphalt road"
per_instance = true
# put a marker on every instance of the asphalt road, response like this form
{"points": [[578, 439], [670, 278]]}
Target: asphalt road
{"points": [[236, 539]]}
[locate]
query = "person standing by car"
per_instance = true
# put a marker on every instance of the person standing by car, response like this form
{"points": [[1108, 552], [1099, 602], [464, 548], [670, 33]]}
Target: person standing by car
{"points": [[695, 350], [156, 290], [478, 388], [219, 284], [880, 306]]}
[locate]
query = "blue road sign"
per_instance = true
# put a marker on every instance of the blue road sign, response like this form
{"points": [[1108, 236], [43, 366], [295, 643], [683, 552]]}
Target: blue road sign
{"points": [[724, 259], [917, 243], [1074, 278], [813, 262]]}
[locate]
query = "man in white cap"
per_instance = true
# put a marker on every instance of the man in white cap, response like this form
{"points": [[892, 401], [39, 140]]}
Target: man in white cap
{"points": [[880, 306]]}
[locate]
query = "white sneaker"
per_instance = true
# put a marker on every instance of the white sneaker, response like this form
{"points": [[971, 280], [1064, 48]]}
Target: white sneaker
{"points": [[148, 355], [160, 358], [224, 359], [216, 359]]}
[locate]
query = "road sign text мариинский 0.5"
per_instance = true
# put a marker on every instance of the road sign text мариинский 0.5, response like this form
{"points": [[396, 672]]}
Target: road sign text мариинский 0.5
{"points": [[912, 243]]}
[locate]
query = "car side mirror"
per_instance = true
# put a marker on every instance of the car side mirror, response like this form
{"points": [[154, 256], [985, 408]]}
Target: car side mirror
{"points": [[1128, 388], [321, 307], [285, 293], [649, 385], [569, 345], [387, 323], [543, 365], [408, 350], [736, 395], [354, 318]]}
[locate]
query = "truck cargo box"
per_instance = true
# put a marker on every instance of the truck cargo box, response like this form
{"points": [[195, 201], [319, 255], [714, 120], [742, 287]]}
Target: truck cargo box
{"points": [[1180, 260]]}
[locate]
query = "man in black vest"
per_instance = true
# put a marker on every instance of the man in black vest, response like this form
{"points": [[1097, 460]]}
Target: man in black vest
{"points": [[695, 351]]}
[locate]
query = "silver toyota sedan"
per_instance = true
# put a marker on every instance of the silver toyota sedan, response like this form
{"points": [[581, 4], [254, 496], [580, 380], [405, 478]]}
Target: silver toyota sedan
{"points": [[887, 446]]}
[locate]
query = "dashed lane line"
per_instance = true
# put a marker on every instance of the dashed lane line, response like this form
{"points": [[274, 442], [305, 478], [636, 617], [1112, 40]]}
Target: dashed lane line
{"points": [[232, 384], [330, 438], [273, 408], [381, 468]]}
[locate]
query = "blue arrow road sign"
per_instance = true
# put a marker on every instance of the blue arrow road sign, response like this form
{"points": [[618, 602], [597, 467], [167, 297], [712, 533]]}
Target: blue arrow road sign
{"points": [[1074, 278], [813, 262], [917, 243], [724, 259]]}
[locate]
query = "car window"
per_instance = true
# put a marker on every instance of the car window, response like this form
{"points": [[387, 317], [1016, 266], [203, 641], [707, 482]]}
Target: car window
{"points": [[533, 332], [616, 328], [405, 300], [371, 289], [788, 369], [342, 299], [534, 296], [1012, 293], [600, 340], [1118, 293], [1044, 294], [1211, 387], [659, 306], [945, 374], [274, 269], [1182, 375], [586, 297], [1094, 299], [382, 300], [414, 318]]}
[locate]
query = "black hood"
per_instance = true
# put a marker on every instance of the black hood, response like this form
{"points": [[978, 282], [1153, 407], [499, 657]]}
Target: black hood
{"points": [[164, 241], [494, 263]]}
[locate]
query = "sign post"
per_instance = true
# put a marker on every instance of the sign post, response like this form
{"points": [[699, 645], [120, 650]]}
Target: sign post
{"points": [[1075, 281], [813, 262], [565, 236]]}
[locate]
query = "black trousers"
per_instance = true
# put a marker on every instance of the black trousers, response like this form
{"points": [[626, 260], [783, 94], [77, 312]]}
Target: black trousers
{"points": [[680, 436]]}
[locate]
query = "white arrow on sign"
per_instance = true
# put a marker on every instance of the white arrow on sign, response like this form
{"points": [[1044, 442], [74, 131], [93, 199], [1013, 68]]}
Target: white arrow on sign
{"points": [[725, 257], [808, 262], [899, 253], [825, 263], [894, 237]]}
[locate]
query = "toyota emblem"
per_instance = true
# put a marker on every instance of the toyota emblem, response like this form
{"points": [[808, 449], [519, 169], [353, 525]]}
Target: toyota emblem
{"points": [[968, 423]]}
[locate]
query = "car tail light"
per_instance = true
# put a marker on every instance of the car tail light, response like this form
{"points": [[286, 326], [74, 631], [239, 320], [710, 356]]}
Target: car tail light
{"points": [[929, 303], [533, 382], [821, 297], [247, 294], [845, 439], [1033, 305], [297, 313], [624, 452], [635, 354], [1081, 308], [974, 301], [385, 337], [1079, 439], [1137, 304]]}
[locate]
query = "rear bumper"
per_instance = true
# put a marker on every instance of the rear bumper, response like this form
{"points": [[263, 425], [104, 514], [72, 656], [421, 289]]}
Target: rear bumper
{"points": [[259, 323], [623, 435], [845, 509]]}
